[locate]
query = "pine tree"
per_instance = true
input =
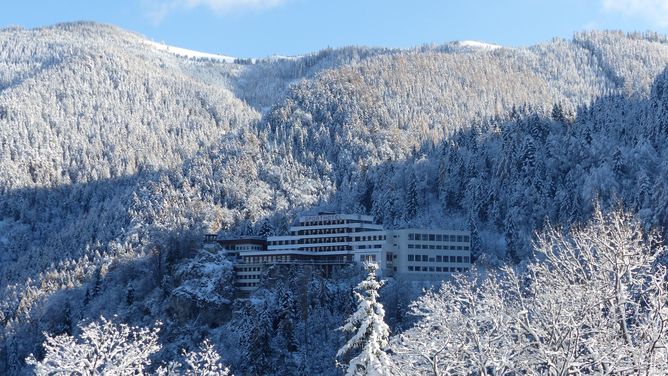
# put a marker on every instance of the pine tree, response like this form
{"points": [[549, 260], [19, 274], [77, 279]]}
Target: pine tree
{"points": [[442, 177], [411, 198], [476, 244], [11, 347], [618, 162], [528, 157], [130, 296], [512, 237], [644, 190], [247, 228], [67, 324], [256, 341], [287, 317], [558, 113], [267, 229], [97, 283], [371, 333]]}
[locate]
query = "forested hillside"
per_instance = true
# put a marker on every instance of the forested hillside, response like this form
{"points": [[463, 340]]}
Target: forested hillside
{"points": [[116, 157]]}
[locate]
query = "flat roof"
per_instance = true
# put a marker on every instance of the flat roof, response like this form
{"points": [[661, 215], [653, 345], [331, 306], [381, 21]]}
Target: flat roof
{"points": [[334, 217], [242, 240]]}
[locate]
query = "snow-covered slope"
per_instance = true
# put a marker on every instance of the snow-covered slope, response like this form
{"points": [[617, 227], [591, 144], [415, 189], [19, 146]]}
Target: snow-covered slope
{"points": [[116, 154], [475, 45], [190, 54]]}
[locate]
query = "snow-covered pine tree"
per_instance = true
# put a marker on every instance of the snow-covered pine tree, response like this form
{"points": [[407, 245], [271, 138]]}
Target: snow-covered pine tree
{"points": [[369, 328], [512, 237], [411, 198], [287, 317], [267, 229], [558, 113], [256, 341], [476, 246]]}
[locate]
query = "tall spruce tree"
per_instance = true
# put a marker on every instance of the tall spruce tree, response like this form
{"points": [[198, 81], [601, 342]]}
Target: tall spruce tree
{"points": [[370, 330], [476, 246], [267, 229], [411, 198]]}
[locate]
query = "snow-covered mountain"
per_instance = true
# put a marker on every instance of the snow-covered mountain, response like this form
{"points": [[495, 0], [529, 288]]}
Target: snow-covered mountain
{"points": [[117, 153]]}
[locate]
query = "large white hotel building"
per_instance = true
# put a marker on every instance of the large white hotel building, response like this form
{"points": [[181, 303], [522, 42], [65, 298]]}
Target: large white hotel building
{"points": [[333, 240]]}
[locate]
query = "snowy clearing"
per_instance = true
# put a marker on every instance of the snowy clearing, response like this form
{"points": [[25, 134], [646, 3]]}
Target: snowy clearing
{"points": [[191, 54]]}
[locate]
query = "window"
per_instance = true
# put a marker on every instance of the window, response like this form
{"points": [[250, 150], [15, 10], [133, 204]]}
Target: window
{"points": [[466, 259], [431, 259], [411, 236], [378, 246], [424, 246], [439, 258], [417, 236], [357, 238], [439, 247], [432, 247], [459, 247], [439, 269], [410, 268], [453, 259], [459, 258], [432, 237], [411, 258], [439, 238], [446, 238], [459, 238], [425, 258], [425, 269], [466, 247], [431, 268], [411, 246], [466, 238]]}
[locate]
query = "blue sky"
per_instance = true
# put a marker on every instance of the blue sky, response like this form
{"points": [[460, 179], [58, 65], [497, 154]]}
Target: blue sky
{"points": [[255, 28]]}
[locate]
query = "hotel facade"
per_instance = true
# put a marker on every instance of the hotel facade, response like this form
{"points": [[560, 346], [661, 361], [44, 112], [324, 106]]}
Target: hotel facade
{"points": [[330, 241]]}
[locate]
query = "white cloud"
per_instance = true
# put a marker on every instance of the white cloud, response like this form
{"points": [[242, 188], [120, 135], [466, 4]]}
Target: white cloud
{"points": [[222, 6], [157, 10], [653, 11]]}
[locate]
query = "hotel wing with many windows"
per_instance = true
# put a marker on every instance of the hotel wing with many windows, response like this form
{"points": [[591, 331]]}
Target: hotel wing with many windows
{"points": [[330, 241]]}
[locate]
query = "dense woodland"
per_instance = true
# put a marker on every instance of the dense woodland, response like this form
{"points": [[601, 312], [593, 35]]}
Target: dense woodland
{"points": [[116, 158]]}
